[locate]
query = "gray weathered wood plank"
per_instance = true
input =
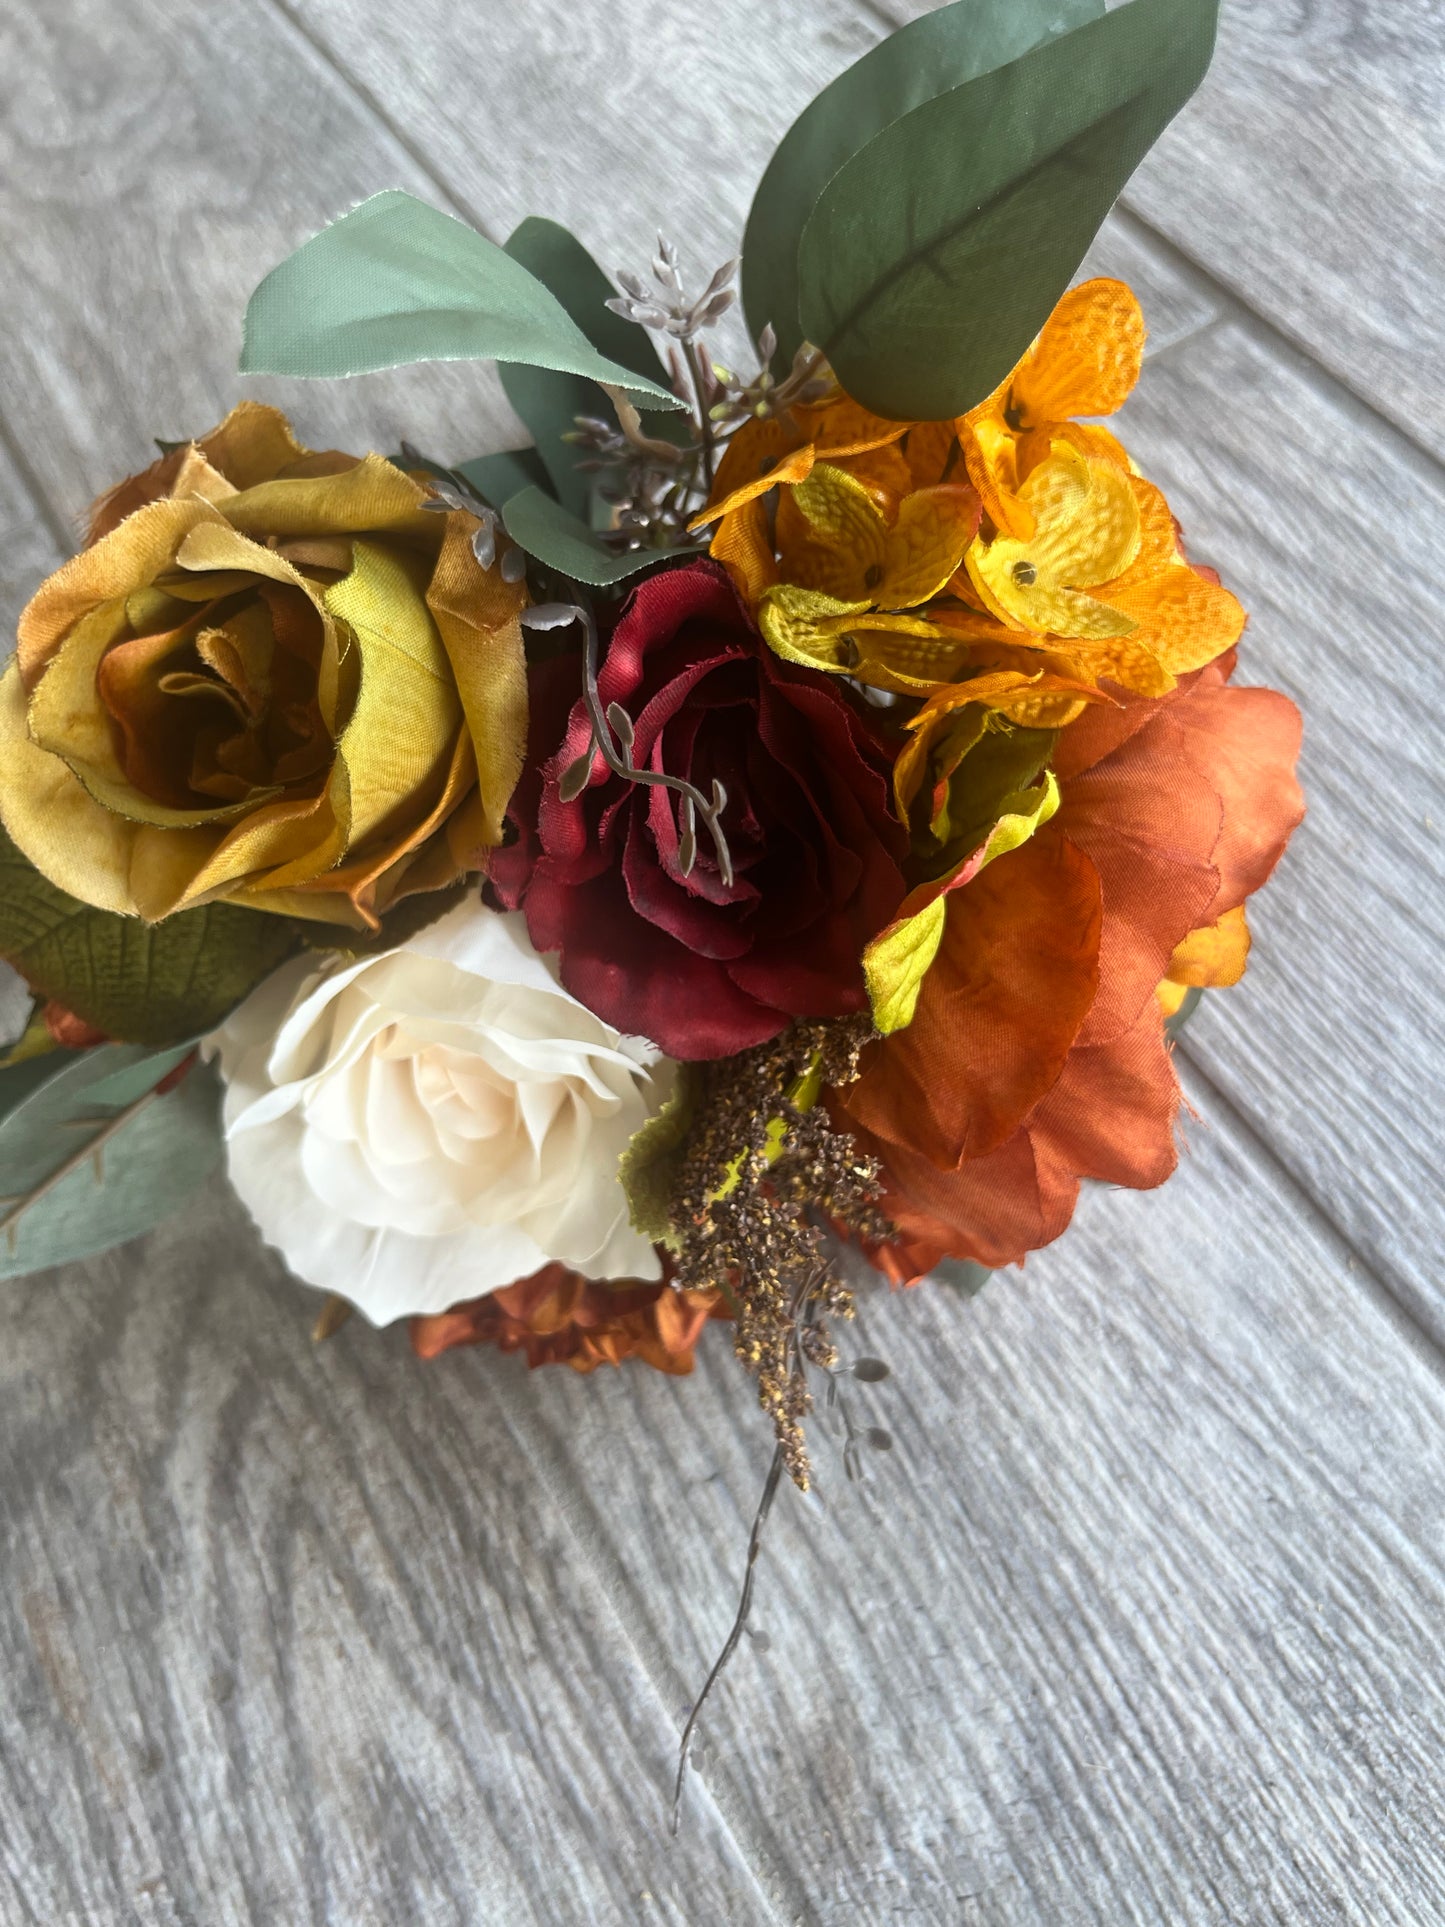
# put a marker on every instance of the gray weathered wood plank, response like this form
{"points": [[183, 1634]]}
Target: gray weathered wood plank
{"points": [[144, 189], [30, 546], [1331, 528], [284, 1638], [1137, 1623]]}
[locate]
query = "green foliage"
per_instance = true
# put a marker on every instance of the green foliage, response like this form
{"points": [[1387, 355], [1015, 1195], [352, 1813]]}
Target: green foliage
{"points": [[935, 255], [146, 983], [151, 1164], [967, 1278], [497, 478], [652, 1161], [922, 60], [1173, 1026], [397, 281], [549, 532], [549, 402]]}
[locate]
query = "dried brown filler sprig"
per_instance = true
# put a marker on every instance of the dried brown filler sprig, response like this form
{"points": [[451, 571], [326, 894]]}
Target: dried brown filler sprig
{"points": [[762, 1181]]}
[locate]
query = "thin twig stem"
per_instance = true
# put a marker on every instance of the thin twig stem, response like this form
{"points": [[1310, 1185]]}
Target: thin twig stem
{"points": [[92, 1147], [696, 366], [740, 1620]]}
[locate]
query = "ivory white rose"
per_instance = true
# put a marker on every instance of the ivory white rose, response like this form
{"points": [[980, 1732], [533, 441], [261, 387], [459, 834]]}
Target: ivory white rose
{"points": [[429, 1124]]}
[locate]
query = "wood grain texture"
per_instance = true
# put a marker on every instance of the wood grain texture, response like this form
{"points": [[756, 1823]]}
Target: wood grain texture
{"points": [[1308, 176], [1332, 530], [30, 547], [155, 160], [1137, 1623], [284, 1638]]}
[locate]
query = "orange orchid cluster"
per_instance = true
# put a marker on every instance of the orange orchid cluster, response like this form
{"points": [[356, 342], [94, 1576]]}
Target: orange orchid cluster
{"points": [[1016, 595]]}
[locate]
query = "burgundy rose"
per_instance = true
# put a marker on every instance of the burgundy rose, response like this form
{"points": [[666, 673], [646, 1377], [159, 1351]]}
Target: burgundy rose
{"points": [[701, 968]]}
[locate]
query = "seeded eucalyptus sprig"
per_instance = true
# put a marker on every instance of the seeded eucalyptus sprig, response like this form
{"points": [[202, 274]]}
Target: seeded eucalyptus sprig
{"points": [[653, 486]]}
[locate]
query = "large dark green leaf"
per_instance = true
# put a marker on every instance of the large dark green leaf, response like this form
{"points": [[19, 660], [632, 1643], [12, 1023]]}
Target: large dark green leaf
{"points": [[553, 535], [920, 61], [549, 402], [152, 1163], [149, 983], [397, 281], [936, 254]]}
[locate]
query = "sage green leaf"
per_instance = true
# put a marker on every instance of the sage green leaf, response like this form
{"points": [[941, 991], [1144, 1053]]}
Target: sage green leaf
{"points": [[1175, 1024], [156, 1157], [18, 1080], [967, 1278], [497, 478], [397, 281], [936, 254], [146, 983], [549, 402], [553, 535], [914, 65]]}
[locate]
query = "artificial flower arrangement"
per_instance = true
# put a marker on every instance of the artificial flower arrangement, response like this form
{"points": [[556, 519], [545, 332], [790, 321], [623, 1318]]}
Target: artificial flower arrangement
{"points": [[756, 837]]}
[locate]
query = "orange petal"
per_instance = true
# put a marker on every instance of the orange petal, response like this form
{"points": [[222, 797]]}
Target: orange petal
{"points": [[1087, 359], [926, 544], [1212, 957], [883, 472], [929, 449], [1015, 974], [839, 426], [1183, 619], [990, 454], [751, 451], [1149, 818], [743, 544]]}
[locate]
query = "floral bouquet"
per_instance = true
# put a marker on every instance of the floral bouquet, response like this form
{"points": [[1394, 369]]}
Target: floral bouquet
{"points": [[755, 839]]}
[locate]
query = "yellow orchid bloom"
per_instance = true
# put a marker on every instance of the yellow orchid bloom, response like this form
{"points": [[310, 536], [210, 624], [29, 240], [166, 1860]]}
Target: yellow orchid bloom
{"points": [[1086, 532], [848, 575], [1086, 362]]}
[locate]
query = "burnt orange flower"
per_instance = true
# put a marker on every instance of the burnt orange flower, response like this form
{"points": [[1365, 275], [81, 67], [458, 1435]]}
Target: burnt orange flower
{"points": [[1036, 1055], [557, 1317]]}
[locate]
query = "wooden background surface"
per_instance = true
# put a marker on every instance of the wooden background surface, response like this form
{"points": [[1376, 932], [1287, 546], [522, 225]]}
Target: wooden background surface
{"points": [[1141, 1622]]}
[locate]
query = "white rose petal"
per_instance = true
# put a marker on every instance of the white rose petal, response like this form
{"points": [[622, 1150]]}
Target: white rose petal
{"points": [[429, 1124]]}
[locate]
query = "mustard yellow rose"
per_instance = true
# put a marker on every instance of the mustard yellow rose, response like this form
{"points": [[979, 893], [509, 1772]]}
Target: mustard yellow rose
{"points": [[273, 677]]}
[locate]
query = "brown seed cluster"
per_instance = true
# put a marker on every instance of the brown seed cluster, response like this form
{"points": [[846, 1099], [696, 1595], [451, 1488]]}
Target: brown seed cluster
{"points": [[764, 1238]]}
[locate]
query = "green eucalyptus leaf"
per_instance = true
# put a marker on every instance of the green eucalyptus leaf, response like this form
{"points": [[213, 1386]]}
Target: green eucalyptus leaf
{"points": [[497, 478], [18, 1080], [1174, 1025], [963, 1274], [148, 1168], [397, 281], [922, 60], [540, 525], [549, 402], [936, 254], [148, 983]]}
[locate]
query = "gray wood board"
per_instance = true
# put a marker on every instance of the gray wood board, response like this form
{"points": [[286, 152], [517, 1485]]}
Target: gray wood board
{"points": [[144, 190], [1137, 1623], [1331, 528]]}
